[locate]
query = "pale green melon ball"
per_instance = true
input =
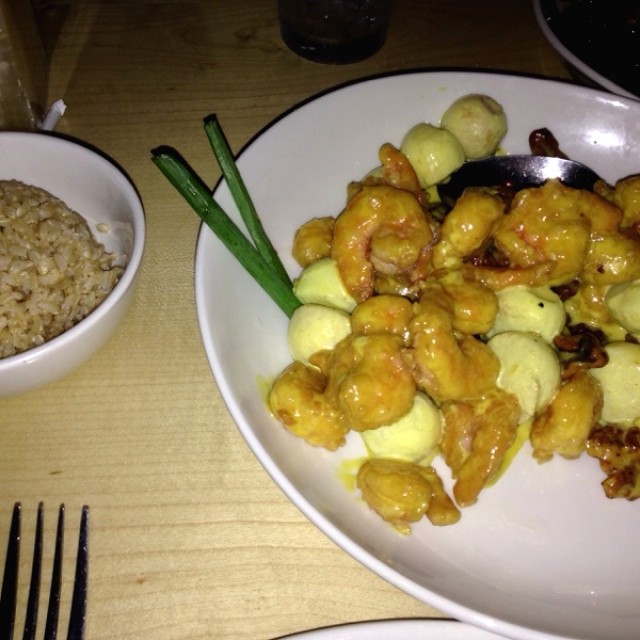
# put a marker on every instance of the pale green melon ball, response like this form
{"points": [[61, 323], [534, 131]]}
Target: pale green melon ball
{"points": [[434, 153], [478, 122]]}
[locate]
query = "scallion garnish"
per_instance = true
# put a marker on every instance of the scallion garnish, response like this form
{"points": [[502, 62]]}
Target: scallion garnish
{"points": [[202, 202], [241, 196]]}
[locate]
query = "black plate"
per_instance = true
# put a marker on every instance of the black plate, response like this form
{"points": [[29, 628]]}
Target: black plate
{"points": [[602, 34]]}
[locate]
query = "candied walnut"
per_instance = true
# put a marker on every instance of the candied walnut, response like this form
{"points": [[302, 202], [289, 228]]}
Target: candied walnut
{"points": [[567, 290], [581, 348], [543, 143], [618, 450]]}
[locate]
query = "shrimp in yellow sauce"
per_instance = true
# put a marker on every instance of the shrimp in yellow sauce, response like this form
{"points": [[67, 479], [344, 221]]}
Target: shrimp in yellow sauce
{"points": [[448, 366], [298, 399], [369, 380], [565, 425], [426, 294], [403, 492], [477, 434], [312, 241], [382, 229], [383, 314]]}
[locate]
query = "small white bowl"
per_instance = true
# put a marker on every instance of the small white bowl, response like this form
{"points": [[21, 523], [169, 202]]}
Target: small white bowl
{"points": [[91, 184]]}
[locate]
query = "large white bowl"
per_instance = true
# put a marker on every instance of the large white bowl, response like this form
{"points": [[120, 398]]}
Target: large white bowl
{"points": [[95, 187], [543, 555]]}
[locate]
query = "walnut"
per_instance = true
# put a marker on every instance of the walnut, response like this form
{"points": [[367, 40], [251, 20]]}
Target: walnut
{"points": [[618, 450]]}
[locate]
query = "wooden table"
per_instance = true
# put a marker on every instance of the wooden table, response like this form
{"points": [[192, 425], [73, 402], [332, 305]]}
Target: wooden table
{"points": [[189, 536]]}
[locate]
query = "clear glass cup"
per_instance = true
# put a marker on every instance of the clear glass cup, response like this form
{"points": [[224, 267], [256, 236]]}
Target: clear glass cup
{"points": [[22, 67], [334, 31]]}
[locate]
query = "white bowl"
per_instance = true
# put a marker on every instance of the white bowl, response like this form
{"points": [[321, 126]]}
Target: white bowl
{"points": [[543, 555], [95, 187]]}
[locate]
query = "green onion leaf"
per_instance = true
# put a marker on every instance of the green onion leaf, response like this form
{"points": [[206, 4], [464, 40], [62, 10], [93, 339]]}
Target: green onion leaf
{"points": [[242, 198], [199, 197]]}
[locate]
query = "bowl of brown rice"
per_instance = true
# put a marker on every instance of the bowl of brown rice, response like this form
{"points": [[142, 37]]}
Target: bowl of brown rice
{"points": [[72, 232]]}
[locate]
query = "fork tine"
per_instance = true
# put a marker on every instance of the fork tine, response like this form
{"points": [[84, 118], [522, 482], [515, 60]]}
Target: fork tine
{"points": [[79, 598], [31, 617], [53, 609], [10, 578]]}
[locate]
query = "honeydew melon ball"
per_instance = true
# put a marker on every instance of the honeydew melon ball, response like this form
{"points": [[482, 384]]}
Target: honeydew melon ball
{"points": [[529, 368], [478, 122], [412, 438], [320, 283], [538, 310], [623, 301], [620, 382], [314, 328], [434, 153]]}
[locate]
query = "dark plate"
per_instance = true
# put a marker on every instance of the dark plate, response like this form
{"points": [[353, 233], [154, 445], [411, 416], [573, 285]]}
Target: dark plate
{"points": [[599, 39]]}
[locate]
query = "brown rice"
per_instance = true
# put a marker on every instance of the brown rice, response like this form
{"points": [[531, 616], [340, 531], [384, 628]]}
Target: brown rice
{"points": [[53, 272]]}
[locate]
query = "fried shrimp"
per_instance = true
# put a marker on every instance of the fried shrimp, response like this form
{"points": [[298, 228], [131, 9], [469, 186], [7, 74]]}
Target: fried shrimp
{"points": [[312, 241], [398, 172], [299, 401], [472, 306], [626, 195], [467, 226], [547, 235], [565, 425], [383, 314], [448, 367], [403, 492], [476, 435], [369, 380], [612, 259], [383, 230]]}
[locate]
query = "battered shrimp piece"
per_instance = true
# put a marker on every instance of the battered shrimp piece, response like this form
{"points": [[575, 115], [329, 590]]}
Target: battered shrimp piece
{"points": [[369, 380], [476, 435], [448, 367], [398, 172], [546, 235], [312, 240], [383, 230], [467, 226], [565, 425], [299, 401], [403, 492], [472, 306], [383, 314], [626, 196], [612, 259], [442, 510]]}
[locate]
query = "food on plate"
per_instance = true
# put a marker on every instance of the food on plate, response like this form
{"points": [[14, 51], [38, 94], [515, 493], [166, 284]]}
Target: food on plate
{"points": [[618, 450], [537, 310], [529, 369], [53, 272], [434, 152], [478, 122], [564, 426], [314, 328], [320, 283], [414, 437], [620, 382], [461, 338], [623, 302], [402, 492]]}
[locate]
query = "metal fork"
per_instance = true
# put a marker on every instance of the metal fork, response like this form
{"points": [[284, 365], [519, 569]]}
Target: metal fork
{"points": [[8, 597]]}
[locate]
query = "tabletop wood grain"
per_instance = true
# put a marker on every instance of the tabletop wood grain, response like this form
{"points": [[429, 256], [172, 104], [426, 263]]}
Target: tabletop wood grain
{"points": [[190, 539]]}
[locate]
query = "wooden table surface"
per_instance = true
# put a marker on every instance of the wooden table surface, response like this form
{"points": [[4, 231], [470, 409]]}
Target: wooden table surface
{"points": [[189, 536]]}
